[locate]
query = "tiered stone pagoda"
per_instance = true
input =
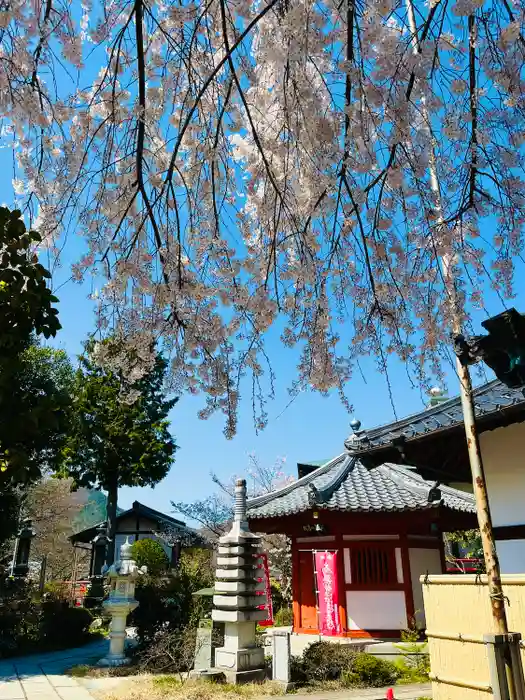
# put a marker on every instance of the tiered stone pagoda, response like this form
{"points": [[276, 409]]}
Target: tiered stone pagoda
{"points": [[239, 597]]}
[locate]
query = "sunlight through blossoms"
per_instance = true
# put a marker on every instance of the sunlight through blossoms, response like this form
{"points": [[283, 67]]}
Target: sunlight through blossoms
{"points": [[234, 165]]}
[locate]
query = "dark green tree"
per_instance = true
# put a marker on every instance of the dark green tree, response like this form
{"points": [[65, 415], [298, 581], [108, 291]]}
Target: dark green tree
{"points": [[115, 442], [35, 413], [34, 424], [26, 302], [27, 392]]}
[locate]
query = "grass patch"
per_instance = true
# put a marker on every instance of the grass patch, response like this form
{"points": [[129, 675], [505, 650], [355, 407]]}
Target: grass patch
{"points": [[87, 671], [170, 688], [80, 671]]}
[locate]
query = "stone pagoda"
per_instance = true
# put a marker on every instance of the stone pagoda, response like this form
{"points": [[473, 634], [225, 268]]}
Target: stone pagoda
{"points": [[239, 598]]}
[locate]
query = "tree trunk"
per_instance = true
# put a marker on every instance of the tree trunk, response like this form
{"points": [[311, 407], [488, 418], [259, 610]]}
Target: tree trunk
{"points": [[111, 514]]}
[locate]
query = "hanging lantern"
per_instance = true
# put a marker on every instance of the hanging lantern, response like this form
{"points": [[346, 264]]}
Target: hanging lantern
{"points": [[22, 549], [100, 544]]}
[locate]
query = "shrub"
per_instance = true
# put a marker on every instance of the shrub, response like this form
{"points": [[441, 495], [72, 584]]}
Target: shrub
{"points": [[368, 671], [19, 619], [278, 601], [415, 661], [57, 590], [173, 651], [27, 625], [324, 661], [166, 603], [150, 553], [284, 618], [64, 626], [297, 672]]}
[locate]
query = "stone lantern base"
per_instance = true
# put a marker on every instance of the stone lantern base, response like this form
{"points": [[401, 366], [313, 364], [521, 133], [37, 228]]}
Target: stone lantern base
{"points": [[239, 659], [117, 639], [109, 661]]}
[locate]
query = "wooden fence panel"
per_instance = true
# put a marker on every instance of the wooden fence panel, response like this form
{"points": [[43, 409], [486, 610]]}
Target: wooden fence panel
{"points": [[458, 614]]}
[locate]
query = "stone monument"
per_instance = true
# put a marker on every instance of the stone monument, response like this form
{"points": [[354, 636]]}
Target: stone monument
{"points": [[239, 597], [281, 658], [122, 576]]}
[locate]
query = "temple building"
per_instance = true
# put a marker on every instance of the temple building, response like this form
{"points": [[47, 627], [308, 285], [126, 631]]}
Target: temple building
{"points": [[370, 522], [433, 440], [367, 534]]}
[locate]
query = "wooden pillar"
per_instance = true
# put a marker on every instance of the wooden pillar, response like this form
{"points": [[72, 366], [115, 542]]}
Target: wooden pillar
{"points": [[339, 546], [442, 556], [407, 579], [296, 594], [91, 557]]}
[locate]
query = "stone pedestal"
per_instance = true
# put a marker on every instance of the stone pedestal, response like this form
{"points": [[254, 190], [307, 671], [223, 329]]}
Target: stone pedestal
{"points": [[239, 597], [121, 601]]}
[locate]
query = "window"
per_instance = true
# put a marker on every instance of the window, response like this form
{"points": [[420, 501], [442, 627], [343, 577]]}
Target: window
{"points": [[373, 566]]}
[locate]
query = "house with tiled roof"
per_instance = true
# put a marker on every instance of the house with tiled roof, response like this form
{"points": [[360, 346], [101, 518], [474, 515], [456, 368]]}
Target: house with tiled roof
{"points": [[374, 516], [142, 522]]}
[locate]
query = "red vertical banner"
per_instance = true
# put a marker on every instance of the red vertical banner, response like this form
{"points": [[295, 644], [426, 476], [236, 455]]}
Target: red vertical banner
{"points": [[326, 571], [267, 592]]}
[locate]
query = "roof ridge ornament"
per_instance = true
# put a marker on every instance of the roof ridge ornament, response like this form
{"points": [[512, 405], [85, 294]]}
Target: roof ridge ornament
{"points": [[314, 497], [438, 395], [434, 494], [318, 496], [357, 438]]}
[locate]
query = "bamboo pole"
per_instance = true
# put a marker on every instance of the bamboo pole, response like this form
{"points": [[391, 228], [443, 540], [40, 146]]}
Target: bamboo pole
{"points": [[497, 599]]}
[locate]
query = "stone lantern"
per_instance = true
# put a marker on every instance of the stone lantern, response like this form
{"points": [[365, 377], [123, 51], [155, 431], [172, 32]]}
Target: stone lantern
{"points": [[99, 549], [22, 549], [239, 598], [122, 577]]}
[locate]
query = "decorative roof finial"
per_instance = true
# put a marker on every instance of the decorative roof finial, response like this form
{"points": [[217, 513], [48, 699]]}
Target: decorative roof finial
{"points": [[240, 528], [239, 511], [355, 424], [357, 437], [125, 550], [437, 396]]}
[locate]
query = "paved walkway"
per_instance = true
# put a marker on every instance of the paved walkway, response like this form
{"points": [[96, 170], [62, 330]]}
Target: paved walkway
{"points": [[41, 677]]}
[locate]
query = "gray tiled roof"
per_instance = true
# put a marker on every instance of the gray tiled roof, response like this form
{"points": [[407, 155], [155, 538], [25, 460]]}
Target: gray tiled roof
{"points": [[489, 399], [345, 484]]}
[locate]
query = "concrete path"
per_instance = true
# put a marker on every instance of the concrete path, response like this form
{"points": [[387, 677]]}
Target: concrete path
{"points": [[41, 677]]}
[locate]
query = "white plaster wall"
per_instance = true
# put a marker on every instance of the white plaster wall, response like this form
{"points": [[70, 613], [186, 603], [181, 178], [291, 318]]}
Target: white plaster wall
{"points": [[511, 555], [421, 561], [503, 452], [376, 610]]}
